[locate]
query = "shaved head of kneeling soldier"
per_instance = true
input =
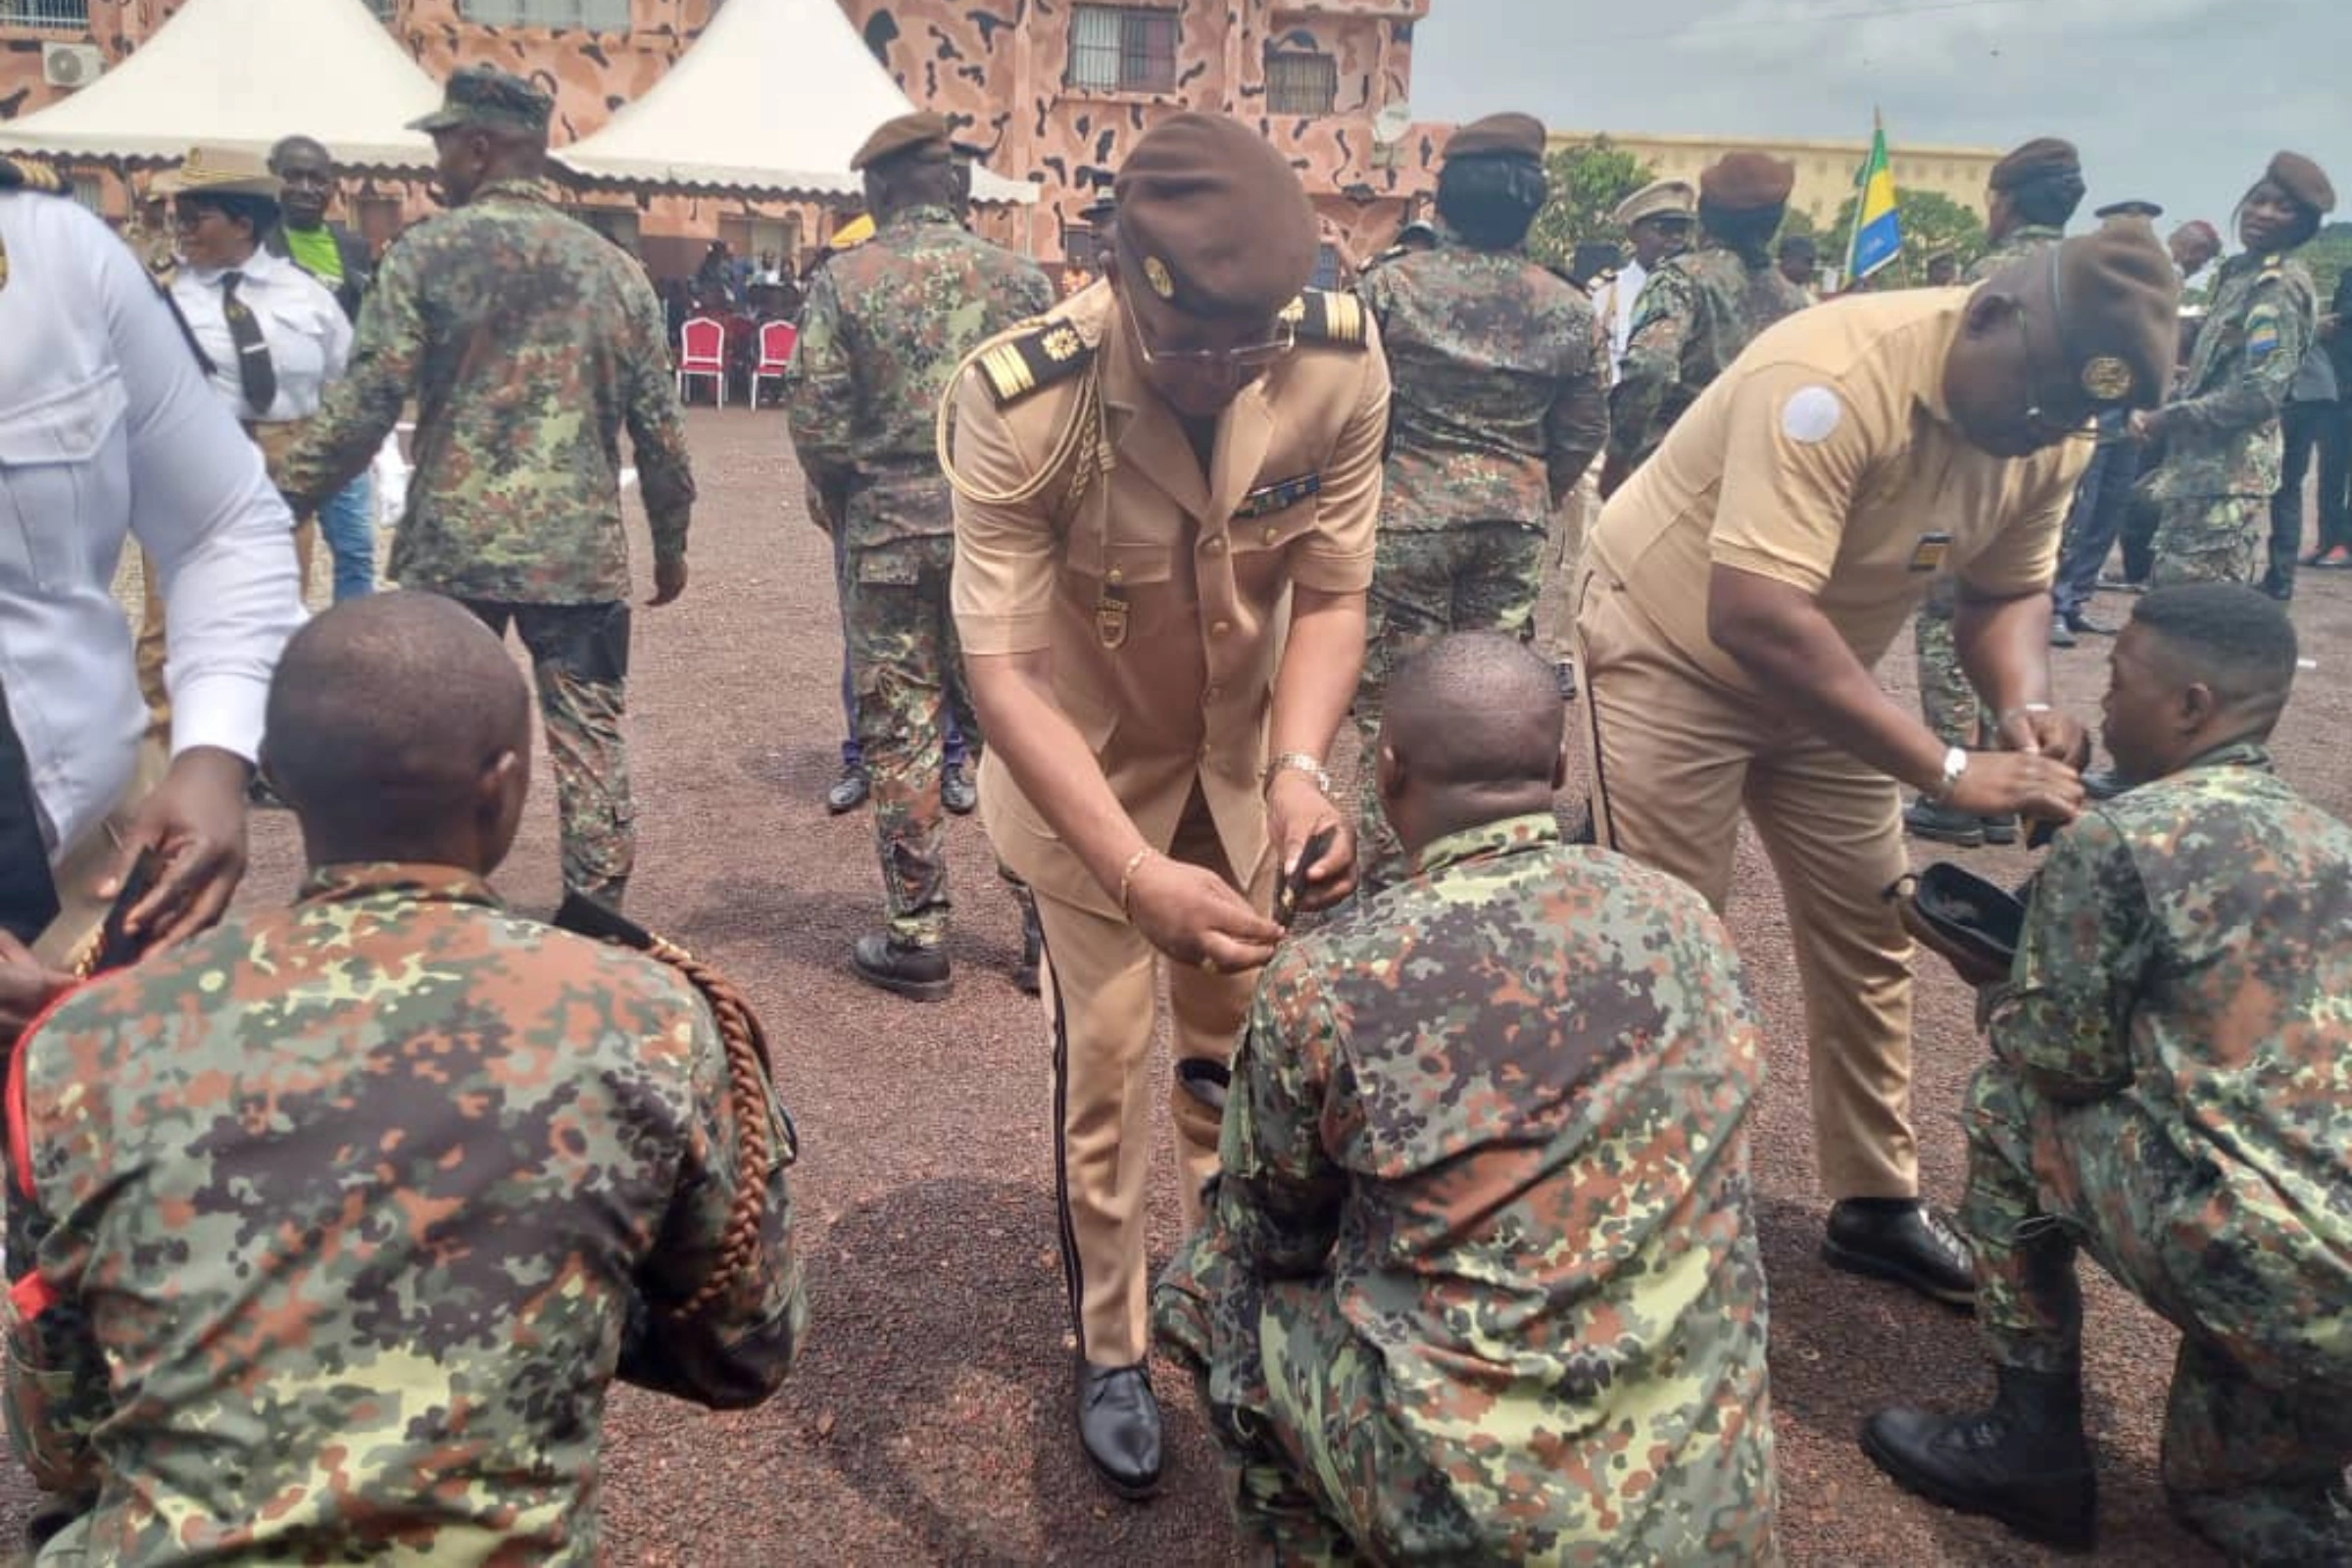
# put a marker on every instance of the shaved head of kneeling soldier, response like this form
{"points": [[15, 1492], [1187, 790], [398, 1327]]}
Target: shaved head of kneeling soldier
{"points": [[2171, 1090], [1415, 1337], [1741, 586], [1166, 491]]}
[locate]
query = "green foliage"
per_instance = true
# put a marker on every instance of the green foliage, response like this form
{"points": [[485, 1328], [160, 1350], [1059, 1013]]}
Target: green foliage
{"points": [[1587, 181], [2329, 256], [1930, 223]]}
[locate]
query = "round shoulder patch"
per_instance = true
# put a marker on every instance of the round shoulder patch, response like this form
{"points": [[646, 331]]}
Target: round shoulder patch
{"points": [[1810, 415]]}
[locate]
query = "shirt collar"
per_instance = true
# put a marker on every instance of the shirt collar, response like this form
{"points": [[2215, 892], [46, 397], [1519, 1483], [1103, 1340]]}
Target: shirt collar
{"points": [[516, 187], [354, 880], [1950, 316], [2233, 754], [917, 217], [1508, 836], [262, 267]]}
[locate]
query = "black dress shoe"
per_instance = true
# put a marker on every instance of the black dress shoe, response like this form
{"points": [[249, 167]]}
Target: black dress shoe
{"points": [[2082, 624], [2061, 635], [1999, 829], [1902, 1240], [849, 792], [1925, 820], [1118, 1426], [902, 969], [957, 792], [2033, 1475]]}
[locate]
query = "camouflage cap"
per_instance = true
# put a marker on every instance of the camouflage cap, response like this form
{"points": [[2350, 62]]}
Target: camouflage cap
{"points": [[1213, 219], [492, 99], [920, 135], [2118, 302]]}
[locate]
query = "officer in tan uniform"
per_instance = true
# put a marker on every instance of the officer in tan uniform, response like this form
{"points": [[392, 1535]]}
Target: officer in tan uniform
{"points": [[1166, 492], [1739, 589]]}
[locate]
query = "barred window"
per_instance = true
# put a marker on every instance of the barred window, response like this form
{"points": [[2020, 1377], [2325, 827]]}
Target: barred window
{"points": [[1302, 82], [73, 13], [1122, 49], [601, 16]]}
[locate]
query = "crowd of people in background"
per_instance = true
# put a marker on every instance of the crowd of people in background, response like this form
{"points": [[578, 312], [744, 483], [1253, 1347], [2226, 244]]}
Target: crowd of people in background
{"points": [[331, 1226]]}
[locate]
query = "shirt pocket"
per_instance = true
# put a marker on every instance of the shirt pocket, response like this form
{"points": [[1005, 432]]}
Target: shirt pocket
{"points": [[54, 455]]}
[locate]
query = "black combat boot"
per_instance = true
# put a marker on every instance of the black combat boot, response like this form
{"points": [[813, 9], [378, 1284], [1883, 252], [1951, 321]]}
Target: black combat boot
{"points": [[902, 969], [1923, 818], [2024, 1462]]}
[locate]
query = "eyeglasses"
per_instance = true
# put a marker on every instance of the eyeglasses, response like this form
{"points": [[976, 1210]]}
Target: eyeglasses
{"points": [[185, 218], [1241, 357]]}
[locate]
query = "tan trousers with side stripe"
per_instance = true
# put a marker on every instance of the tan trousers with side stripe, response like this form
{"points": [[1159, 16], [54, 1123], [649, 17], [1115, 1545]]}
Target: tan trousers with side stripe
{"points": [[1676, 757], [1099, 984]]}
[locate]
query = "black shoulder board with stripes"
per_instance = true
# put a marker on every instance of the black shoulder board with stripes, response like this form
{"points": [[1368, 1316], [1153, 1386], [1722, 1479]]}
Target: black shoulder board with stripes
{"points": [[1035, 356], [17, 174], [1320, 315]]}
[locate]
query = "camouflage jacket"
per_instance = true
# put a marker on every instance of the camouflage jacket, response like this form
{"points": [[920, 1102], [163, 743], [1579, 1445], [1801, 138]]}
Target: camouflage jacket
{"points": [[883, 330], [1501, 395], [2023, 241], [2221, 437], [355, 1206], [1503, 1108], [528, 341], [1697, 312], [2182, 980]]}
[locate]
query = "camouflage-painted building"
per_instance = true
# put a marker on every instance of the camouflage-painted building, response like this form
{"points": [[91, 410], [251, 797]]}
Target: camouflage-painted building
{"points": [[1056, 89]]}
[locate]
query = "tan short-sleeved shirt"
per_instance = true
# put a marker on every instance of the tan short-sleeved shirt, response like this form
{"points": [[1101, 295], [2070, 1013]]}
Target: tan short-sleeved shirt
{"points": [[1827, 459], [1164, 596]]}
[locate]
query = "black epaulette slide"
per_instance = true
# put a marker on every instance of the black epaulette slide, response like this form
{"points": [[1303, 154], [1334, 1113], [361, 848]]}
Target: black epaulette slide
{"points": [[1033, 357], [1320, 315], [18, 173]]}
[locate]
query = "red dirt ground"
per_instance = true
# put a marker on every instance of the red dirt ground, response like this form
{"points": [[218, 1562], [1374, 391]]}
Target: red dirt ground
{"points": [[928, 1421]]}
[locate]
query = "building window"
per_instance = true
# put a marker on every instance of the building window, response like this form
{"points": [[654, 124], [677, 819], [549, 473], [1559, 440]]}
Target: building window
{"points": [[1302, 82], [601, 16], [88, 190], [73, 13], [1122, 49]]}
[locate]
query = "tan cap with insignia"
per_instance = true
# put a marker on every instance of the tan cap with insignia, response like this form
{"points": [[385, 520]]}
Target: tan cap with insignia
{"points": [[220, 171]]}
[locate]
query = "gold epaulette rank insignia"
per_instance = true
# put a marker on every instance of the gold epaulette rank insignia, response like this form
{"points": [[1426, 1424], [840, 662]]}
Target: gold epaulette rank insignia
{"points": [[1320, 315], [1033, 357], [19, 174]]}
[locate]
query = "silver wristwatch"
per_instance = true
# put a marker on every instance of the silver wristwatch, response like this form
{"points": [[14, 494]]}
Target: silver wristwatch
{"points": [[1298, 763], [1955, 764]]}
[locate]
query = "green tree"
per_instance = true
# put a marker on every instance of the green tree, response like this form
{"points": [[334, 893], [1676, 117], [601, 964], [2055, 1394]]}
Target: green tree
{"points": [[1931, 223], [2329, 256], [1587, 181]]}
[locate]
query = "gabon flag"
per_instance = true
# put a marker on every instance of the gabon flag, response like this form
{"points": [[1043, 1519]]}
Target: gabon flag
{"points": [[1878, 218]]}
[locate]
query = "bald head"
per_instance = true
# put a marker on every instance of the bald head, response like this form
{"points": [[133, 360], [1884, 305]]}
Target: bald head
{"points": [[398, 729], [1471, 733]]}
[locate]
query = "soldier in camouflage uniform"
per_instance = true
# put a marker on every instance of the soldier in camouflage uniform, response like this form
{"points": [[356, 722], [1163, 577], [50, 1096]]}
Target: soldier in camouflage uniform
{"points": [[1479, 1281], [2171, 1090], [1500, 401], [2221, 436], [528, 341], [883, 332], [353, 1211], [2028, 198], [1700, 309]]}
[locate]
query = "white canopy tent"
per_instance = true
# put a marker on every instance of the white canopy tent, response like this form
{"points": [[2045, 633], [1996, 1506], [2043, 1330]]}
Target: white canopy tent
{"points": [[772, 100], [244, 74]]}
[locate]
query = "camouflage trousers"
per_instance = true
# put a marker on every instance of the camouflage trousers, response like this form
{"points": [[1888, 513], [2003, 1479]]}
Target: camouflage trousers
{"points": [[2258, 1429], [1322, 1473], [2212, 539], [1476, 576], [908, 671], [1947, 700], [580, 665]]}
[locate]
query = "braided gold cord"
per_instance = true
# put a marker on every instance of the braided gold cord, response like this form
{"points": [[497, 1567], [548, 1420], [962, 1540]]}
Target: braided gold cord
{"points": [[1080, 450]]}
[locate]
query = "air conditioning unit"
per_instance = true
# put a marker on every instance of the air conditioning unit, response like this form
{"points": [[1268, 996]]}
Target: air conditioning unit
{"points": [[70, 64]]}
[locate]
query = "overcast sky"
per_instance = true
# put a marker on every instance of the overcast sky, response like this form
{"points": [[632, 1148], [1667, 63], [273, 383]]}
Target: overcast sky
{"points": [[2180, 101]]}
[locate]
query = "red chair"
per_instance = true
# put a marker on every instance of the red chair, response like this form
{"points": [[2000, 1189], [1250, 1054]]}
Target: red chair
{"points": [[703, 351], [776, 339]]}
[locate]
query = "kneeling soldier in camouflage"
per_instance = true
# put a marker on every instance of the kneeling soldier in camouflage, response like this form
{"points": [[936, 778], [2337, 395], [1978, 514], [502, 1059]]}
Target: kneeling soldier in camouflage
{"points": [[1479, 1281], [353, 1211]]}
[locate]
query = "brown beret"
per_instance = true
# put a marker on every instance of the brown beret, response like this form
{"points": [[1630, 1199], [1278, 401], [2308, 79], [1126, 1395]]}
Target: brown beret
{"points": [[1213, 219], [2043, 158], [1747, 182], [2304, 180], [2118, 312], [1499, 137], [908, 135]]}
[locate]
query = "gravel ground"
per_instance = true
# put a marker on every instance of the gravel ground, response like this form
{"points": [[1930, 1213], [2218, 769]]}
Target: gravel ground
{"points": [[928, 1421]]}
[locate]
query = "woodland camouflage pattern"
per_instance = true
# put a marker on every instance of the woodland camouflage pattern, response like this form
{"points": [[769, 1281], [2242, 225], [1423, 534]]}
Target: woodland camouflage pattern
{"points": [[1501, 401], [1531, 1067], [1697, 312], [884, 330], [2172, 1088], [367, 1201], [2027, 239], [529, 341], [2223, 447]]}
